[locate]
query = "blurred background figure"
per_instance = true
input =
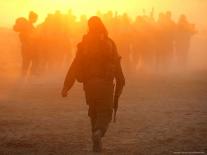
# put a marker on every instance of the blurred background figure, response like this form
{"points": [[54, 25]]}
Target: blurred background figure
{"points": [[165, 42], [146, 44], [26, 30], [184, 33]]}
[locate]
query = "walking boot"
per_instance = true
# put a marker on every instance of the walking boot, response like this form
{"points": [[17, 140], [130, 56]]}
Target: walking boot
{"points": [[97, 143]]}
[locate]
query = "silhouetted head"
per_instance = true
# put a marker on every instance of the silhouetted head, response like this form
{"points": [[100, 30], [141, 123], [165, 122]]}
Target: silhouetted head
{"points": [[20, 25], [33, 17], [183, 18], [96, 26], [169, 14]]}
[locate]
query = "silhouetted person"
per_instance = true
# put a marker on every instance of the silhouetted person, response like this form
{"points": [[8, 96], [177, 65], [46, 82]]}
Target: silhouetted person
{"points": [[165, 41], [138, 41], [143, 43], [170, 28], [184, 33], [26, 31], [96, 65]]}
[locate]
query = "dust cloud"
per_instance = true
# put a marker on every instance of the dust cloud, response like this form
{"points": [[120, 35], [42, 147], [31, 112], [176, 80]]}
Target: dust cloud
{"points": [[158, 108]]}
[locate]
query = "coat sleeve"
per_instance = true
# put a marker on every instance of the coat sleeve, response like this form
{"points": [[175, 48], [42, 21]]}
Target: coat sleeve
{"points": [[119, 76], [71, 75]]}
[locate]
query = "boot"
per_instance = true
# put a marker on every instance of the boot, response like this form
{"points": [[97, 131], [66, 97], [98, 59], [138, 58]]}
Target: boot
{"points": [[97, 143]]}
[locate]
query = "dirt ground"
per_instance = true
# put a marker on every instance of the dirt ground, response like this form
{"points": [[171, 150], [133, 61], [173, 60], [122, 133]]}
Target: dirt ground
{"points": [[158, 115]]}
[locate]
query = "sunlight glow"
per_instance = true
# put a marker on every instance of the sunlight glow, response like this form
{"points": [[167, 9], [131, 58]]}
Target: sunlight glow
{"points": [[11, 9]]}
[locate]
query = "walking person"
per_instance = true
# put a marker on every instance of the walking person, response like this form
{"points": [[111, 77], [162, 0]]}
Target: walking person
{"points": [[97, 66]]}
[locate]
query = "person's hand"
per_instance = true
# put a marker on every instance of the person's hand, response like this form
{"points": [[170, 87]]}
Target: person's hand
{"points": [[64, 93]]}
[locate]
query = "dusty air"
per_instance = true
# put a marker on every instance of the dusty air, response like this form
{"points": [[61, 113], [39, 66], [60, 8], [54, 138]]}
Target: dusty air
{"points": [[112, 81]]}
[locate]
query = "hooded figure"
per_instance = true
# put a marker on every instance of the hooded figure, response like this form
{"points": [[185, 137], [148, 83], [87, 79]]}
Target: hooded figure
{"points": [[96, 65]]}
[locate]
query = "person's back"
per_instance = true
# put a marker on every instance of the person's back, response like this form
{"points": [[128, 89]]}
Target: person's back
{"points": [[96, 65], [97, 57]]}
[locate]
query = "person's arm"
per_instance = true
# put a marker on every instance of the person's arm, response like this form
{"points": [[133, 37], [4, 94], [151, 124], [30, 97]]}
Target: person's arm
{"points": [[120, 81], [69, 80], [119, 76], [71, 76]]}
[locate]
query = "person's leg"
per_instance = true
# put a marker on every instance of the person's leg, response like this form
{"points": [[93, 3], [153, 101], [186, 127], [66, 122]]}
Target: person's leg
{"points": [[96, 133], [92, 125], [101, 123], [26, 60], [99, 97], [25, 65], [104, 117]]}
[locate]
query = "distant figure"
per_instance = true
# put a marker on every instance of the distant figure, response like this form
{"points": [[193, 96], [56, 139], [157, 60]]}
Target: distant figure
{"points": [[165, 41], [124, 40], [26, 31], [96, 65], [143, 43], [170, 38], [184, 33]]}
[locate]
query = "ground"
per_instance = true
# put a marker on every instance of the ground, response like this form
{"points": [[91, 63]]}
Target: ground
{"points": [[157, 115]]}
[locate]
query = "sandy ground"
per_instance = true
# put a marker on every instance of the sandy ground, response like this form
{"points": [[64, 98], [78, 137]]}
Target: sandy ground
{"points": [[157, 115]]}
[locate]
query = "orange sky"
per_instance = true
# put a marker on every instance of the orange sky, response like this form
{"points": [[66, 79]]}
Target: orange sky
{"points": [[11, 9]]}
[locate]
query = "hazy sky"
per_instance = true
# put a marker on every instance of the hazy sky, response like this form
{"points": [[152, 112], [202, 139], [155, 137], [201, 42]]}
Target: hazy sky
{"points": [[11, 9]]}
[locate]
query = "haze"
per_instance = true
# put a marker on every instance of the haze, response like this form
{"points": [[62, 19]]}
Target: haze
{"points": [[11, 9], [162, 109]]}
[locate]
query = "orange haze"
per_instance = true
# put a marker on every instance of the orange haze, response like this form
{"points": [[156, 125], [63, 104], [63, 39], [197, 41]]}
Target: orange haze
{"points": [[11, 9]]}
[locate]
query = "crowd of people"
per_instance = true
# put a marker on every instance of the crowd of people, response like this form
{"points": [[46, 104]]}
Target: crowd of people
{"points": [[145, 43]]}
